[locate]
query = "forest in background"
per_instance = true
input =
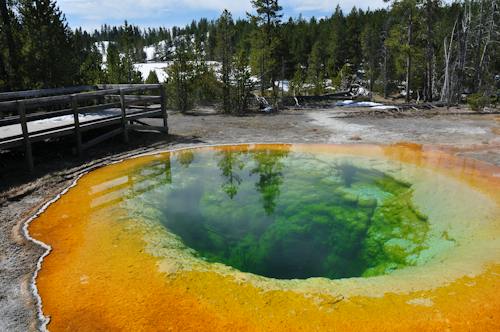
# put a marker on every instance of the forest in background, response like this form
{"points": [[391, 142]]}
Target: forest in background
{"points": [[435, 50]]}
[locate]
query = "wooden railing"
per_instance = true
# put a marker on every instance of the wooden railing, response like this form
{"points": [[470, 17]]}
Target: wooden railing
{"points": [[129, 103]]}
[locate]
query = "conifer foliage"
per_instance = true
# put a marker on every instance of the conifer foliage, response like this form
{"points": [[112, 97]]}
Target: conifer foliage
{"points": [[39, 50], [417, 49]]}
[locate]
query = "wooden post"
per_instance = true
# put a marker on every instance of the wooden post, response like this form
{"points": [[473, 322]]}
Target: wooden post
{"points": [[78, 134], [21, 108], [163, 104], [124, 116]]}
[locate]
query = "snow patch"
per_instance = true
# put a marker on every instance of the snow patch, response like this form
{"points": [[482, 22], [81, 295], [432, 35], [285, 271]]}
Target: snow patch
{"points": [[342, 129], [158, 67]]}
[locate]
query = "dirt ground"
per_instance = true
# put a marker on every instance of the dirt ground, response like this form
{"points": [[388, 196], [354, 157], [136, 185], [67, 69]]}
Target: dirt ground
{"points": [[21, 195]]}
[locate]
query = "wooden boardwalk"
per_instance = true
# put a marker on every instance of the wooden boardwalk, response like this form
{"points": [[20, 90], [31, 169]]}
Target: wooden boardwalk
{"points": [[36, 115]]}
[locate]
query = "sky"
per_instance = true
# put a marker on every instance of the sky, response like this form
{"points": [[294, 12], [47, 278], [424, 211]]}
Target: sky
{"points": [[91, 14]]}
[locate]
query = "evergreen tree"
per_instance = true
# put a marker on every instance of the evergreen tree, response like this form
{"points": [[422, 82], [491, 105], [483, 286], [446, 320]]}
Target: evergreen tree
{"points": [[266, 41], [113, 65], [316, 69], [406, 9], [337, 47], [181, 77], [242, 82], [352, 42], [224, 55], [372, 45], [47, 43], [91, 69], [152, 78], [206, 87], [120, 67], [299, 78], [9, 55]]}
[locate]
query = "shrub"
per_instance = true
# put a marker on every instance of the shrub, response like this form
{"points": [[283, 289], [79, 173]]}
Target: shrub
{"points": [[477, 102]]}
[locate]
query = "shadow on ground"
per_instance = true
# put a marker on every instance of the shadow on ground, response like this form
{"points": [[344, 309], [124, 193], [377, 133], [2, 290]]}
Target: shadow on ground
{"points": [[59, 154]]}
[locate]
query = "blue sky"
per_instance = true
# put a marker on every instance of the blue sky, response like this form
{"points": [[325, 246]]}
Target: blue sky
{"points": [[91, 14]]}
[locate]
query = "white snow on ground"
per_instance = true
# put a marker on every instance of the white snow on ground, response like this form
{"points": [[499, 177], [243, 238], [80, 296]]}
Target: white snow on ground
{"points": [[369, 104], [150, 53], [102, 47], [342, 129], [363, 92], [153, 52], [283, 84], [344, 102], [384, 107], [158, 67], [366, 104], [15, 129]]}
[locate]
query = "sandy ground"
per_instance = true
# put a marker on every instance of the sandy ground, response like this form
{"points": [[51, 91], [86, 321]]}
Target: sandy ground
{"points": [[21, 195]]}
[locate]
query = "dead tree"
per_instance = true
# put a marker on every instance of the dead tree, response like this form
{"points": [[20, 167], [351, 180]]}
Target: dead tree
{"points": [[487, 33], [445, 91], [429, 52]]}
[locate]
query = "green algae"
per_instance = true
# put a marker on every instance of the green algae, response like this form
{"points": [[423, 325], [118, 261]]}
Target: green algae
{"points": [[284, 214]]}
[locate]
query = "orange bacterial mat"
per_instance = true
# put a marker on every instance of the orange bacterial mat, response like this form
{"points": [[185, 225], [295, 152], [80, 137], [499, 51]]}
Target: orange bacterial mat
{"points": [[110, 270]]}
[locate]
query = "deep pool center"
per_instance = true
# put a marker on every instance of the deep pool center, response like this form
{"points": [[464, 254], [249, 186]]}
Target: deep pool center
{"points": [[274, 237], [284, 214]]}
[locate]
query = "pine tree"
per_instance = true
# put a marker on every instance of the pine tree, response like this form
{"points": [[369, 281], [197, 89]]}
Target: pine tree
{"points": [[224, 55], [337, 48], [299, 78], [91, 71], [316, 69], [181, 76], [266, 41], [242, 79], [120, 67], [9, 61], [206, 87], [113, 64], [47, 43], [407, 10], [352, 41], [372, 45], [152, 78]]}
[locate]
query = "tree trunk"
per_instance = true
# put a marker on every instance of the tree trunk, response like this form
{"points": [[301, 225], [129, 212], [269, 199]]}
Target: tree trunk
{"points": [[479, 39], [385, 56], [386, 92], [429, 52], [445, 91], [409, 57], [462, 43]]}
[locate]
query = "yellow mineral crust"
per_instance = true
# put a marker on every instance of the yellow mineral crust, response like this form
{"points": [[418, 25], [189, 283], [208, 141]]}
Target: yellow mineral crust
{"points": [[103, 274]]}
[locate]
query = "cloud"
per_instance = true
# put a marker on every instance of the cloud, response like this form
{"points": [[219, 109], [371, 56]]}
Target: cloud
{"points": [[328, 6], [93, 13], [138, 9]]}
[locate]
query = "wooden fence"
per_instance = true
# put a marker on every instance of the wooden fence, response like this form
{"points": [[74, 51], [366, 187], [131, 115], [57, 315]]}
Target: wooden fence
{"points": [[124, 106]]}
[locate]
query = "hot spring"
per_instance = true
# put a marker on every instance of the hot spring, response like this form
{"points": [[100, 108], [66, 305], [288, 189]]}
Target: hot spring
{"points": [[274, 237]]}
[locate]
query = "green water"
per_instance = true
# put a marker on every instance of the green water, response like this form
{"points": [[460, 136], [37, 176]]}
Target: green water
{"points": [[284, 214]]}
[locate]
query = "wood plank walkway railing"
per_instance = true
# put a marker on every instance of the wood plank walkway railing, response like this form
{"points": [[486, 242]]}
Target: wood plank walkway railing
{"points": [[125, 105]]}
